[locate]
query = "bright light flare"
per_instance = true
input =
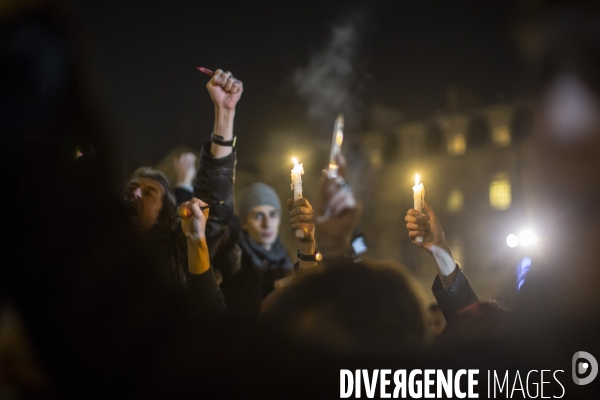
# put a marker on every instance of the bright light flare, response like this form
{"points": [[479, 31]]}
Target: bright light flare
{"points": [[512, 240], [417, 179], [295, 161], [526, 238]]}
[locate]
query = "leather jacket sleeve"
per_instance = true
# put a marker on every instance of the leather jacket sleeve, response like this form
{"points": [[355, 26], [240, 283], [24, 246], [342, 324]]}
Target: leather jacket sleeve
{"points": [[214, 182]]}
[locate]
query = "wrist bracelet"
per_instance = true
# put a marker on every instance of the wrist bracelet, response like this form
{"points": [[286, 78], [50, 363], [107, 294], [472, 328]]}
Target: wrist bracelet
{"points": [[220, 140], [312, 257]]}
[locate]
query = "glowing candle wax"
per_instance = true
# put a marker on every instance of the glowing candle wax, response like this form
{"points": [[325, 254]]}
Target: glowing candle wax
{"points": [[419, 196], [296, 186]]}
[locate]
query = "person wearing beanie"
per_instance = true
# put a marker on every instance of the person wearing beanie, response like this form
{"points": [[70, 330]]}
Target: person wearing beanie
{"points": [[262, 251], [260, 211]]}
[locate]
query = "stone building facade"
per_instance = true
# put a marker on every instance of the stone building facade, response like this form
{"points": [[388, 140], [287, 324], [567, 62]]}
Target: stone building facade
{"points": [[475, 166]]}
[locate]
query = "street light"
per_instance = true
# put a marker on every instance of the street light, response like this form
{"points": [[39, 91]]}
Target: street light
{"points": [[512, 240], [526, 238]]}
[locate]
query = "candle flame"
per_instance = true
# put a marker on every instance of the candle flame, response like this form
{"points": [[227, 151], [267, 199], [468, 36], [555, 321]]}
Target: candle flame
{"points": [[295, 161], [417, 179]]}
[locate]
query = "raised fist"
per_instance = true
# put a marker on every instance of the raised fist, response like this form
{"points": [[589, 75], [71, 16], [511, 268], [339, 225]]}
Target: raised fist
{"points": [[225, 90]]}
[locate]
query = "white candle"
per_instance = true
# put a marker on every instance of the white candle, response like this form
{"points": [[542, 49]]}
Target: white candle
{"points": [[419, 195], [296, 186]]}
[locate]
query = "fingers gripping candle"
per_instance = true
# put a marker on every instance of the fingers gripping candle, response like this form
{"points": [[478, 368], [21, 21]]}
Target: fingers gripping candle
{"points": [[297, 172], [419, 196]]}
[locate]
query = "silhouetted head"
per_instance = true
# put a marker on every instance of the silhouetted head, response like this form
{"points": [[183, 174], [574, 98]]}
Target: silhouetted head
{"points": [[435, 320], [352, 308], [563, 45], [480, 321]]}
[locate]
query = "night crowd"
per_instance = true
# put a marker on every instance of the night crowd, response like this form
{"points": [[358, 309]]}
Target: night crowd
{"points": [[156, 289]]}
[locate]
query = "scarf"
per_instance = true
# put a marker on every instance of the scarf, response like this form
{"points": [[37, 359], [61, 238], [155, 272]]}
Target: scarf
{"points": [[262, 259]]}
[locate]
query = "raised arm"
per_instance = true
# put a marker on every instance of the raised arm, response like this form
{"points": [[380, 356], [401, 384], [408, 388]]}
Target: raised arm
{"points": [[214, 181], [451, 288], [194, 231], [185, 168], [336, 214], [202, 284], [225, 91]]}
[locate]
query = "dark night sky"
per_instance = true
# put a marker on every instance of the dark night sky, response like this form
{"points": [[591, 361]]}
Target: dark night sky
{"points": [[144, 56]]}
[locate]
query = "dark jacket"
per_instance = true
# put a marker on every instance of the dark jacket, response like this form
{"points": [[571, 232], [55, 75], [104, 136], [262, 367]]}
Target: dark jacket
{"points": [[201, 291], [453, 299], [248, 272], [182, 195]]}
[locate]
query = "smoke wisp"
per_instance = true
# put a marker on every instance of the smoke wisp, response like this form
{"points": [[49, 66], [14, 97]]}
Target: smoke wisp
{"points": [[330, 81]]}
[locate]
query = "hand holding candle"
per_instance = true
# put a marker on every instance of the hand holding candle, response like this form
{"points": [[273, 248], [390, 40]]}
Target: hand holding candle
{"points": [[419, 197], [296, 186]]}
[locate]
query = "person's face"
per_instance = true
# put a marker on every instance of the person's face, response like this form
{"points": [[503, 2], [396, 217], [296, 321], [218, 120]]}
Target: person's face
{"points": [[435, 322], [145, 196], [262, 224]]}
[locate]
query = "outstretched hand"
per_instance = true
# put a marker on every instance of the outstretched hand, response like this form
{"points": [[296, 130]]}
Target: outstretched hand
{"points": [[185, 168], [337, 210], [224, 90]]}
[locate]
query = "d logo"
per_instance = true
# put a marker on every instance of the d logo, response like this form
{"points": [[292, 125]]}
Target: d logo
{"points": [[583, 367]]}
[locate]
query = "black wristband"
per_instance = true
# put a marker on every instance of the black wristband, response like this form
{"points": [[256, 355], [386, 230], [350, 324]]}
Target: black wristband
{"points": [[312, 257], [218, 139]]}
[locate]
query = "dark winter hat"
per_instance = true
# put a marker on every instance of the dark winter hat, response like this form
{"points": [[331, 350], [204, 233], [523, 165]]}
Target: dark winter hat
{"points": [[257, 194]]}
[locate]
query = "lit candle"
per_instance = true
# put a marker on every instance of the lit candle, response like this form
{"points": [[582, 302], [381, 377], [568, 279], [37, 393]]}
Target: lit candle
{"points": [[419, 195], [296, 186]]}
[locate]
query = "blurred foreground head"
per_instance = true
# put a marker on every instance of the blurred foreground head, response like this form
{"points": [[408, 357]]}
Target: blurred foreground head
{"points": [[352, 308], [567, 61], [483, 321], [88, 294], [562, 43]]}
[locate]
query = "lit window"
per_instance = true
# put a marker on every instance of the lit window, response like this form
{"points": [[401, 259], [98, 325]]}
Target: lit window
{"points": [[455, 201], [457, 144], [501, 135], [500, 197]]}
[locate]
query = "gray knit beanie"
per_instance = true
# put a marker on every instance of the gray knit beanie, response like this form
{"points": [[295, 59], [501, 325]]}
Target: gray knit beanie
{"points": [[257, 194]]}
